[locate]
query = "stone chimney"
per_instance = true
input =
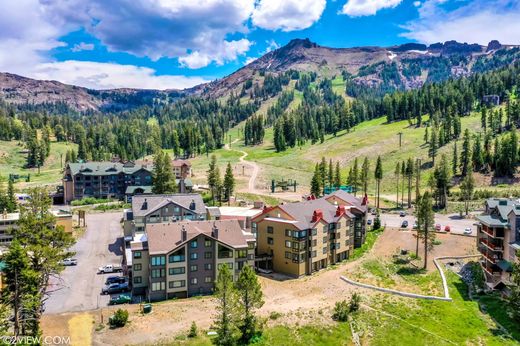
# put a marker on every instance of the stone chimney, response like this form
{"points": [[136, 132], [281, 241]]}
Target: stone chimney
{"points": [[193, 205], [184, 234], [145, 205], [214, 232]]}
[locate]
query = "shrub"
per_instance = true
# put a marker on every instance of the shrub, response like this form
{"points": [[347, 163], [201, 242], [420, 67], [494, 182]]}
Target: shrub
{"points": [[119, 319], [377, 223], [193, 330], [341, 311], [355, 301], [274, 315]]}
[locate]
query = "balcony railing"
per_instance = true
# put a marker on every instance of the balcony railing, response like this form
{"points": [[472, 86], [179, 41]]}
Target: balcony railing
{"points": [[493, 233], [491, 258], [491, 246], [491, 271]]}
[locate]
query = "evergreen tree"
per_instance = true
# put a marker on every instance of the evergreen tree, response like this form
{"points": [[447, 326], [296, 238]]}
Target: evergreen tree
{"points": [[425, 217], [10, 205], [397, 172], [229, 182], [337, 176], [323, 173], [483, 117], [365, 168], [455, 160], [409, 176], [442, 178], [251, 298], [162, 177], [331, 173], [356, 176], [227, 308], [378, 175], [467, 188], [514, 297], [434, 145], [477, 155], [214, 178], [279, 138], [316, 181], [465, 156]]}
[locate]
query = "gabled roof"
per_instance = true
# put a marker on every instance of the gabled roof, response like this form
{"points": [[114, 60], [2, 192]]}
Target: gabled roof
{"points": [[348, 198], [155, 202], [166, 237], [131, 189], [106, 168]]}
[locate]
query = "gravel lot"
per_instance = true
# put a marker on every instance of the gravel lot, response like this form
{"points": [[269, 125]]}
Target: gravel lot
{"points": [[456, 224], [79, 287]]}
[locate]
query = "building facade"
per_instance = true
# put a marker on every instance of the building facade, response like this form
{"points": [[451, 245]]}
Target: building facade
{"points": [[182, 259], [104, 179], [498, 240], [304, 237]]}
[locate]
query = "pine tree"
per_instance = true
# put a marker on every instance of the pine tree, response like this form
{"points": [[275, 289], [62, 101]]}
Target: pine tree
{"points": [[229, 182], [10, 197], [355, 176], [337, 176], [442, 177], [227, 308], [316, 181], [397, 172], [214, 177], [465, 155], [434, 145], [163, 178], [514, 297], [483, 118], [365, 168], [477, 155], [455, 160], [331, 173], [425, 217], [409, 175], [467, 188], [323, 173], [378, 175], [251, 298]]}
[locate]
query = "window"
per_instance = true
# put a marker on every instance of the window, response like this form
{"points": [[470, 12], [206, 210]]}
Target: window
{"points": [[138, 279], [194, 244], [314, 254], [193, 281], [158, 286], [194, 268], [176, 271], [208, 254], [270, 241], [325, 250], [315, 242], [194, 255], [224, 252], [137, 254], [346, 243], [158, 273], [158, 260], [240, 265], [288, 255], [288, 243], [251, 245], [338, 225], [177, 256], [331, 226], [242, 253], [325, 239], [137, 267], [208, 266], [207, 243], [314, 231], [177, 284], [208, 279], [325, 229], [270, 229], [288, 233], [338, 246]]}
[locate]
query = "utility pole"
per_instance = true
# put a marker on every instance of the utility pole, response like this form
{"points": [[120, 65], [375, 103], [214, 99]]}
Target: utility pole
{"points": [[417, 180], [400, 139]]}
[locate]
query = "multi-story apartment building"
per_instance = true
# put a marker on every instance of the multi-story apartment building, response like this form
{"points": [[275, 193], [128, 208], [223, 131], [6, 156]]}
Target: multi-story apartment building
{"points": [[304, 237], [498, 240], [149, 209], [181, 169], [181, 259], [10, 221], [104, 179]]}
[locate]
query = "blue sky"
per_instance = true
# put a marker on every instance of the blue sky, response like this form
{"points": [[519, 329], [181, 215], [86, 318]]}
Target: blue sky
{"points": [[178, 43]]}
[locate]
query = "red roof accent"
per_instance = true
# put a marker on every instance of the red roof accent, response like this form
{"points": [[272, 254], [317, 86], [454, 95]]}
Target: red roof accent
{"points": [[341, 210], [365, 200], [317, 215]]}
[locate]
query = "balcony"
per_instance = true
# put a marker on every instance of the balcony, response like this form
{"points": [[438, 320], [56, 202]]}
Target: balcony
{"points": [[493, 232], [492, 270], [491, 245], [491, 258]]}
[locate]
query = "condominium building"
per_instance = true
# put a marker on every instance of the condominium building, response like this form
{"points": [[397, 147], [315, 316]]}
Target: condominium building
{"points": [[498, 240], [300, 238], [181, 259]]}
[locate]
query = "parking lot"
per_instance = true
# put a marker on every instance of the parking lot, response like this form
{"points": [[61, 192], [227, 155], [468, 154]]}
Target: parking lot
{"points": [[457, 225], [79, 287]]}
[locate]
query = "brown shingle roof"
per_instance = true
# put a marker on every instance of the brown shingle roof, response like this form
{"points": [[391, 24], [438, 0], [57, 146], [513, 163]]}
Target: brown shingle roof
{"points": [[166, 237], [349, 198], [155, 202]]}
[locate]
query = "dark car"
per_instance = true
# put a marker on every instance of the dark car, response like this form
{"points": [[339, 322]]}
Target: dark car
{"points": [[115, 280], [369, 222], [120, 299], [404, 224], [402, 214], [115, 288]]}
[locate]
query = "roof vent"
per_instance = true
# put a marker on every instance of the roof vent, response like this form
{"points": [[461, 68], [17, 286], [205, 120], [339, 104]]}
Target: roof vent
{"points": [[192, 205], [184, 233], [145, 205], [214, 231], [502, 202]]}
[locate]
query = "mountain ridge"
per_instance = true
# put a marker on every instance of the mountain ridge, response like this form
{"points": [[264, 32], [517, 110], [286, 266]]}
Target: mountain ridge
{"points": [[404, 66]]}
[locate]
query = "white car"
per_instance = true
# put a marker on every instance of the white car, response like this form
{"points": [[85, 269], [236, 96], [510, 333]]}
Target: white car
{"points": [[70, 262], [468, 230]]}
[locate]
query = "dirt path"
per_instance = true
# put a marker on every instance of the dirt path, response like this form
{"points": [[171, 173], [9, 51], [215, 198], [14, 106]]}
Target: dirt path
{"points": [[251, 186]]}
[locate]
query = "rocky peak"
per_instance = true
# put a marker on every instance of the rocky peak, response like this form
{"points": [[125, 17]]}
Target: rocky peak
{"points": [[493, 45]]}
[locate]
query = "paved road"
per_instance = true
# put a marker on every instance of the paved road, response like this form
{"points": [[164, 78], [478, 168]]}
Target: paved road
{"points": [[79, 287], [456, 224]]}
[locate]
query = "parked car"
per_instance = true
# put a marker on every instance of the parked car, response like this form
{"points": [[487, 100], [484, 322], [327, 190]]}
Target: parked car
{"points": [[402, 214], [447, 228], [115, 288], [438, 227], [415, 225], [369, 222], [110, 268], [404, 224], [69, 262], [374, 211], [115, 280], [468, 230], [120, 299]]}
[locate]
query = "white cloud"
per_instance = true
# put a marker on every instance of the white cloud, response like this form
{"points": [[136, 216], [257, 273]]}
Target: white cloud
{"points": [[271, 45], [357, 8], [78, 47], [417, 3], [98, 75], [228, 52], [479, 21], [287, 15]]}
